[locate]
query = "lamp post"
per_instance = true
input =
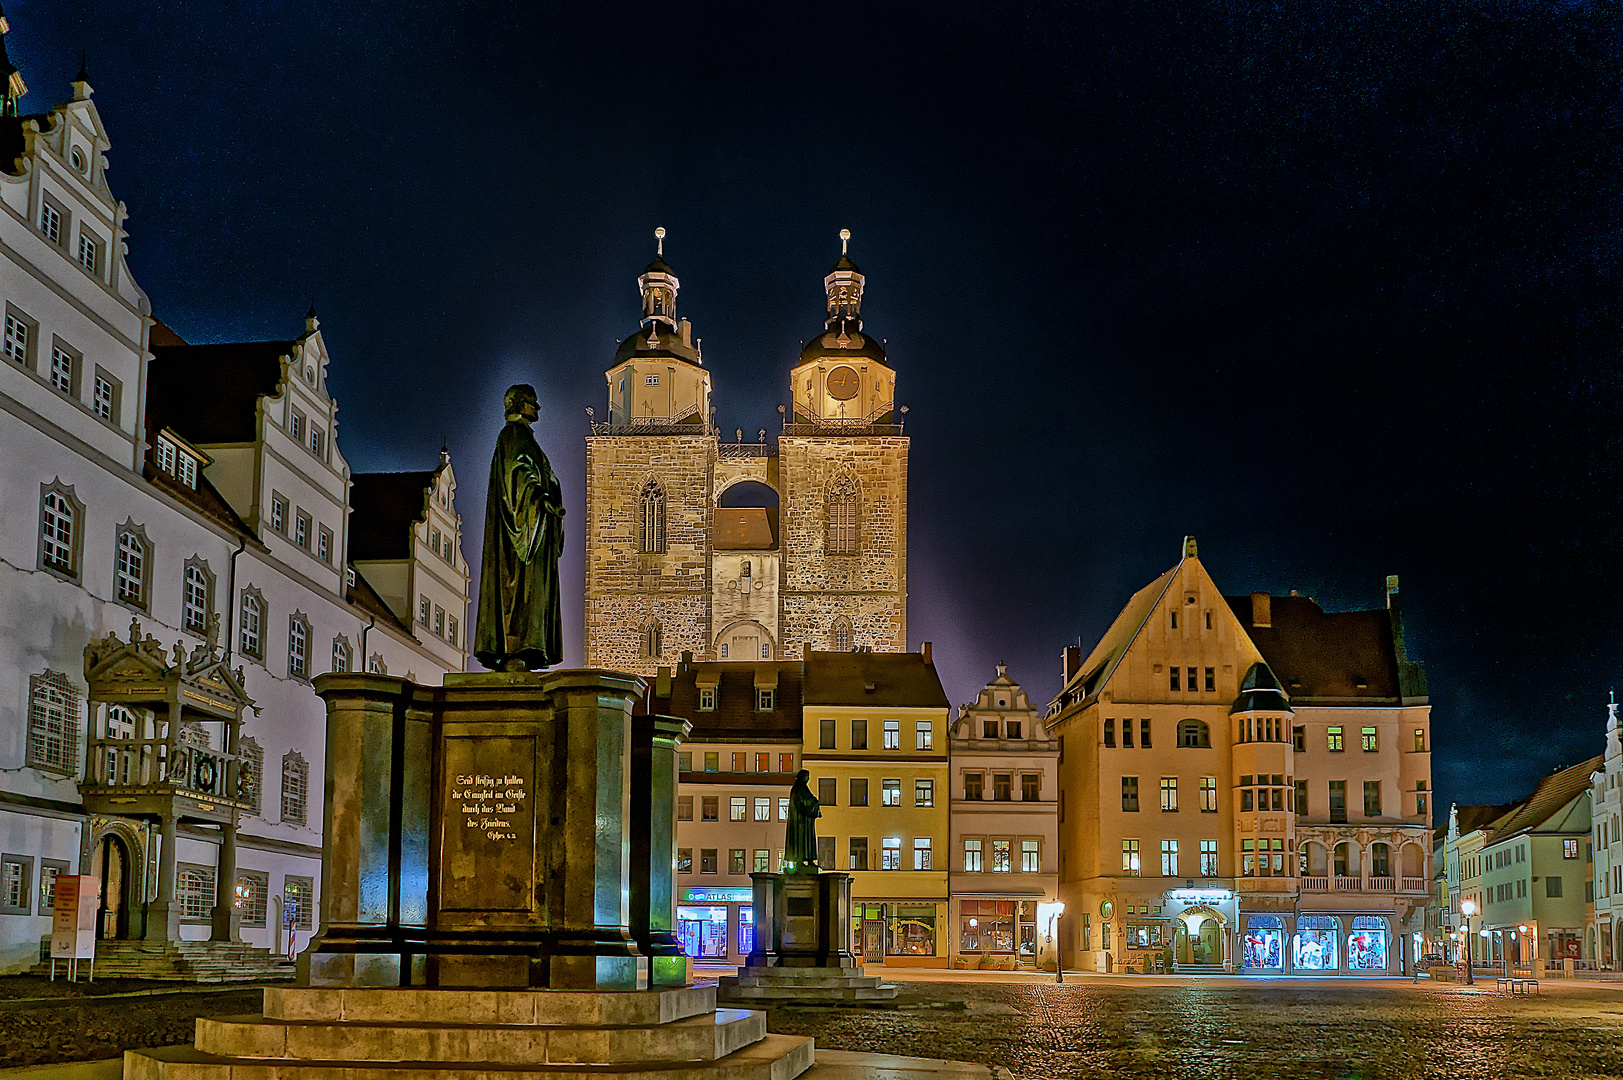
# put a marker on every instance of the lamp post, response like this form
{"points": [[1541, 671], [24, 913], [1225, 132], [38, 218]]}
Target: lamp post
{"points": [[1467, 909]]}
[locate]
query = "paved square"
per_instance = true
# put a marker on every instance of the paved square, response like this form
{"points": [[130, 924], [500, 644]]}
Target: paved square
{"points": [[1282, 1029]]}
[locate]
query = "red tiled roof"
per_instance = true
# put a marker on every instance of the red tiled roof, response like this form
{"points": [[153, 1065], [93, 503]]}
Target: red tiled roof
{"points": [[904, 680], [1322, 654], [743, 528], [383, 508]]}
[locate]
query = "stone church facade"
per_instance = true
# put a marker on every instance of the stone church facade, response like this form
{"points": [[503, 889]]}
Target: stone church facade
{"points": [[745, 551]]}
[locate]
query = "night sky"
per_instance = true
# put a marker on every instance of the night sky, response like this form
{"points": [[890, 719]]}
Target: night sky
{"points": [[1331, 286]]}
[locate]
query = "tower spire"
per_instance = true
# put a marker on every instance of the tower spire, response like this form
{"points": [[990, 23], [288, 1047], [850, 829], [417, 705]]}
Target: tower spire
{"points": [[844, 287], [658, 286]]}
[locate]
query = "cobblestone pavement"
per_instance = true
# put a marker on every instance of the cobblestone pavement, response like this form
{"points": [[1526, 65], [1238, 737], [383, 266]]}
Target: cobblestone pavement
{"points": [[1228, 1030], [77, 1028], [1212, 1029]]}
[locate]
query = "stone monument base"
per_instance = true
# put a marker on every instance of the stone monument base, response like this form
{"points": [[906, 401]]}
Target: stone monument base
{"points": [[308, 1033], [803, 945]]}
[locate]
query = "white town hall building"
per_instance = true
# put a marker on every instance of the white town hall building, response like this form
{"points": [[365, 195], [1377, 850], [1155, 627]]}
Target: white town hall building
{"points": [[192, 500]]}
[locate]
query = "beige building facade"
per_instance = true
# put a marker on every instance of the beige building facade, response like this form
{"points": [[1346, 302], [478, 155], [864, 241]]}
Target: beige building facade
{"points": [[1244, 786], [1004, 817], [738, 551]]}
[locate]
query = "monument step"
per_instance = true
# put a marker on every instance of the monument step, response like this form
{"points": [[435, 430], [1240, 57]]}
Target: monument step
{"points": [[774, 1057], [807, 995], [546, 1008], [847, 970], [705, 1037], [774, 977]]}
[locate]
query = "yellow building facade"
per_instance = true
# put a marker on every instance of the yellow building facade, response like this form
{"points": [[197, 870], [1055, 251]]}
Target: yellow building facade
{"points": [[1244, 786], [874, 738]]}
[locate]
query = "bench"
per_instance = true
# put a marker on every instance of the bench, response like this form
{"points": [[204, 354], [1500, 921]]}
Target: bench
{"points": [[1517, 985]]}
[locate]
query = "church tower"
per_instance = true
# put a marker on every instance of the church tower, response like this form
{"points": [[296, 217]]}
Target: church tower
{"points": [[843, 470], [729, 550], [649, 472]]}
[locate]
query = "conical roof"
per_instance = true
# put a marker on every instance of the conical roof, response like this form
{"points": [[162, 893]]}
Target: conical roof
{"points": [[1260, 691]]}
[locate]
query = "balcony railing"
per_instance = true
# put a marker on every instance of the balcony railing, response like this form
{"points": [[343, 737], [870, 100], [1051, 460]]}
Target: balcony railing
{"points": [[1415, 884], [1315, 884], [152, 763], [1349, 884], [1382, 884]]}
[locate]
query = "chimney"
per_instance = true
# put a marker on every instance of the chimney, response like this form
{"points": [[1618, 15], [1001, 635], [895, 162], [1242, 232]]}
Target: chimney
{"points": [[1261, 609], [1391, 590], [687, 333], [662, 683], [687, 659], [1072, 661], [924, 650]]}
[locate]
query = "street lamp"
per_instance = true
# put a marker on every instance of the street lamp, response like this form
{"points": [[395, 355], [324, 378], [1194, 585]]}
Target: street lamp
{"points": [[1467, 909]]}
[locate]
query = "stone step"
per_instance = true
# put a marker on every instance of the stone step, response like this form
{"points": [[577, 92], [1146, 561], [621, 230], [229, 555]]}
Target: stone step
{"points": [[774, 1057], [705, 1037], [807, 995], [773, 976], [554, 1008]]}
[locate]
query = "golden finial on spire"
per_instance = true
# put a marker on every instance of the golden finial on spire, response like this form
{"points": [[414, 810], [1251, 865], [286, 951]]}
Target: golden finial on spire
{"points": [[659, 239], [845, 240]]}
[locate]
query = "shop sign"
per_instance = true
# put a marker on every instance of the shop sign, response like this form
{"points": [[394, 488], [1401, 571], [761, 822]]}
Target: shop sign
{"points": [[1191, 897], [717, 896]]}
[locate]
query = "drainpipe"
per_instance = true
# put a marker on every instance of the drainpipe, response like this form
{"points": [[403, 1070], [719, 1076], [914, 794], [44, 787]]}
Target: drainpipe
{"points": [[231, 598], [371, 622]]}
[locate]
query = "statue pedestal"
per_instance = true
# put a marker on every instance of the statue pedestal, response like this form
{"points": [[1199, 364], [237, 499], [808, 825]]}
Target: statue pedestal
{"points": [[802, 945]]}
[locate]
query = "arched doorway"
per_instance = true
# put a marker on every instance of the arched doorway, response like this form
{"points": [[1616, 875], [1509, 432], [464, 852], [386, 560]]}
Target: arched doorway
{"points": [[1199, 938], [112, 865]]}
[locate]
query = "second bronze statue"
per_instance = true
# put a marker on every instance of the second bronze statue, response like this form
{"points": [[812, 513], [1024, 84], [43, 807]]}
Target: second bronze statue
{"points": [[800, 835], [520, 622]]}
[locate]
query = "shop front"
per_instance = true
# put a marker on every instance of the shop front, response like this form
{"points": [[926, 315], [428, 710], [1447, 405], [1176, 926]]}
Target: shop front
{"points": [[995, 932], [904, 933], [715, 926], [1332, 944], [1195, 932]]}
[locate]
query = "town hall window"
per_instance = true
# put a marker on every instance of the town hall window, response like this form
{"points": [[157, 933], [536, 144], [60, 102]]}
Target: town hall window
{"points": [[130, 566], [295, 788], [53, 722], [651, 530], [59, 531], [1194, 734], [197, 596]]}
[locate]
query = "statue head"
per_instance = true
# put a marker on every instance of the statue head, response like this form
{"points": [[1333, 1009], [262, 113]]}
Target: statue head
{"points": [[520, 403], [803, 777]]}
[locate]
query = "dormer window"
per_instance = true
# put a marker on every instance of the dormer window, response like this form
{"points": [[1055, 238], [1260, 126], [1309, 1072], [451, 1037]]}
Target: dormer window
{"points": [[176, 462]]}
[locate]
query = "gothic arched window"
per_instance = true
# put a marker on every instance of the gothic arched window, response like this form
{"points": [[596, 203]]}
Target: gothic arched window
{"points": [[652, 640], [651, 532], [842, 516], [839, 635]]}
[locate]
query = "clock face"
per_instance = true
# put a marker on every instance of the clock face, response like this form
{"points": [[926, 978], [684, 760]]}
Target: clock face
{"points": [[843, 383]]}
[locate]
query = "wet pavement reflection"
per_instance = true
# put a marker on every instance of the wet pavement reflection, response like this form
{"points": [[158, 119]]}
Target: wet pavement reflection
{"points": [[1227, 1030]]}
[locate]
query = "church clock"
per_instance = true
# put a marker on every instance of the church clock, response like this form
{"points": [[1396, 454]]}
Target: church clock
{"points": [[843, 383]]}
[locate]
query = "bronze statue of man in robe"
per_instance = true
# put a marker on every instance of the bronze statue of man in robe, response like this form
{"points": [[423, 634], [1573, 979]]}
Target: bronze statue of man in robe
{"points": [[520, 623], [800, 835]]}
